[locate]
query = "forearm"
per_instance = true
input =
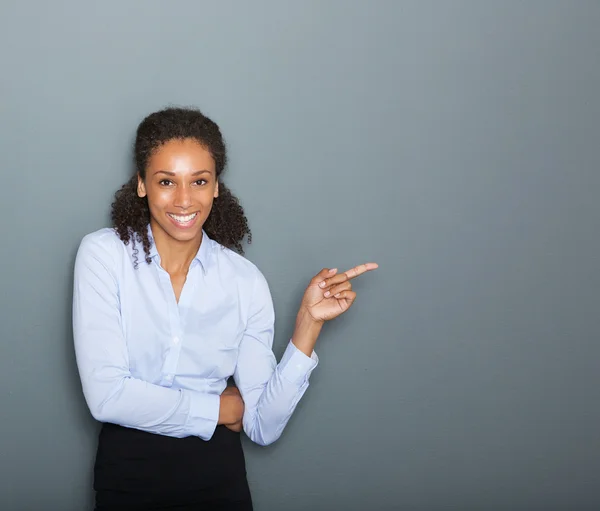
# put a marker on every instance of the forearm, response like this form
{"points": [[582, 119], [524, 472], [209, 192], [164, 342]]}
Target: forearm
{"points": [[138, 404], [268, 407], [271, 391], [306, 332]]}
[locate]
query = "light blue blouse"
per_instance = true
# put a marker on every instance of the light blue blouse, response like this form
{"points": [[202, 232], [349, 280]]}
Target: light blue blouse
{"points": [[150, 363]]}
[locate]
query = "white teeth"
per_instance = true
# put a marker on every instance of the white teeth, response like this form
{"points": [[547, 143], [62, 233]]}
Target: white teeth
{"points": [[183, 218]]}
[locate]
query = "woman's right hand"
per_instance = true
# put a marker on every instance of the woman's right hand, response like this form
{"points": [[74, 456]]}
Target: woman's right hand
{"points": [[231, 410]]}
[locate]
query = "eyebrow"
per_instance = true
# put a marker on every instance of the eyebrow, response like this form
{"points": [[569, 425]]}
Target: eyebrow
{"points": [[171, 173]]}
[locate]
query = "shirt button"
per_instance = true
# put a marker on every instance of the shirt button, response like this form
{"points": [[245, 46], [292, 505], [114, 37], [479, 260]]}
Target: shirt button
{"points": [[175, 340]]}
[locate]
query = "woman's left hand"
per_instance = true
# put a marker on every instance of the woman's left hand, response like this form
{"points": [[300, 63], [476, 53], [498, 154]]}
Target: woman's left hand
{"points": [[330, 294]]}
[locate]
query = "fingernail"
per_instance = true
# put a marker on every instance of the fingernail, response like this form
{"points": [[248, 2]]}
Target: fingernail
{"points": [[322, 284], [333, 270], [337, 295], [327, 294]]}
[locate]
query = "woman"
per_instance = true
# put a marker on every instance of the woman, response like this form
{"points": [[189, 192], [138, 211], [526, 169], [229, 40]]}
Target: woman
{"points": [[166, 310]]}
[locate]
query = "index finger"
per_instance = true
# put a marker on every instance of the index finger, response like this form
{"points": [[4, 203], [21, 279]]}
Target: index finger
{"points": [[360, 269]]}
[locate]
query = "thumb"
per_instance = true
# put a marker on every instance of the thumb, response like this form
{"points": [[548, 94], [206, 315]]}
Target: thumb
{"points": [[325, 273]]}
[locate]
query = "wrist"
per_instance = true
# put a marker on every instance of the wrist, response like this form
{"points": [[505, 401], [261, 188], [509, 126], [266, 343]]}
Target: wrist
{"points": [[306, 332]]}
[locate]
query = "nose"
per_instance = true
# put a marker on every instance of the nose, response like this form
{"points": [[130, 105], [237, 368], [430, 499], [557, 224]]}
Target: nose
{"points": [[183, 197]]}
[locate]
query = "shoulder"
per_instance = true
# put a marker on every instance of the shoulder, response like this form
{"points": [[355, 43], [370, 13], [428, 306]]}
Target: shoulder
{"points": [[103, 246], [240, 273], [237, 266], [104, 239]]}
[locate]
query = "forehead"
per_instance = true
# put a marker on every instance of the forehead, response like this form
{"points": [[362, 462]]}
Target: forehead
{"points": [[181, 156]]}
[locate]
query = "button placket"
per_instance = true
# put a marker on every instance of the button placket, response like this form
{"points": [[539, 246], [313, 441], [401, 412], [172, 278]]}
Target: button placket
{"points": [[174, 342]]}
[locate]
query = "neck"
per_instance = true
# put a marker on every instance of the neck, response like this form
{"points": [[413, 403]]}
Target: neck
{"points": [[175, 256]]}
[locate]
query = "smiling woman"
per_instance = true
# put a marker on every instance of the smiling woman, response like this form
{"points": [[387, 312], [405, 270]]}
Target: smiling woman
{"points": [[178, 136], [157, 342]]}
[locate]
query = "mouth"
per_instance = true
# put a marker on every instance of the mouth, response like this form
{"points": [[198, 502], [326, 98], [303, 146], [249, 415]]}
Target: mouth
{"points": [[183, 220]]}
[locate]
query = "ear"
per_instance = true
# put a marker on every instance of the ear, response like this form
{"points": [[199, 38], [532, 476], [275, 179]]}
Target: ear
{"points": [[141, 187], [216, 190]]}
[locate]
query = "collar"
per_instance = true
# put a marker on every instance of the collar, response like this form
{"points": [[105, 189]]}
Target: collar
{"points": [[203, 256]]}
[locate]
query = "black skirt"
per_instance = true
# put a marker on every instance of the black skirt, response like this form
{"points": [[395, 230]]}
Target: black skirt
{"points": [[135, 470]]}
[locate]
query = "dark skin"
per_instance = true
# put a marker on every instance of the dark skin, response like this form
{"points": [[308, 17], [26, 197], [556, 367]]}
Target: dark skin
{"points": [[181, 186], [180, 183]]}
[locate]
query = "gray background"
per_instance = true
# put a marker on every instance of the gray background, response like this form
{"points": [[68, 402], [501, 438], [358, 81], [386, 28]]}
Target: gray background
{"points": [[453, 142]]}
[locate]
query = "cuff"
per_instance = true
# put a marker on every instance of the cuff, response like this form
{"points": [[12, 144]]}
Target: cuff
{"points": [[295, 366], [204, 414]]}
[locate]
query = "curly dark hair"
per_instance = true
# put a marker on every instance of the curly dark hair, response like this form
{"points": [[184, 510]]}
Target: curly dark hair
{"points": [[130, 214]]}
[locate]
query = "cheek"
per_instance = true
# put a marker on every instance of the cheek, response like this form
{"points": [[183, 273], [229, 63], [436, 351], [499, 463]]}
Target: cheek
{"points": [[158, 197], [207, 203], [207, 196]]}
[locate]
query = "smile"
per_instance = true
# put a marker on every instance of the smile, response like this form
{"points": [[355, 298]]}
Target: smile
{"points": [[183, 220]]}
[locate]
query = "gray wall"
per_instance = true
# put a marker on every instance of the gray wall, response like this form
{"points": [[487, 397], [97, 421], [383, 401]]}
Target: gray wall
{"points": [[454, 142]]}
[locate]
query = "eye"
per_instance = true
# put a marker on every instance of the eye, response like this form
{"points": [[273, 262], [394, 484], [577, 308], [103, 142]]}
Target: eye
{"points": [[165, 182], [201, 182]]}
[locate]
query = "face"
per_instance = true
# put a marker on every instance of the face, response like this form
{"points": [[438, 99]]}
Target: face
{"points": [[180, 185]]}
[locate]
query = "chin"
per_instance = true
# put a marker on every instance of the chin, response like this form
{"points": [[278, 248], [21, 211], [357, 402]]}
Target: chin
{"points": [[183, 238], [188, 235], [181, 234]]}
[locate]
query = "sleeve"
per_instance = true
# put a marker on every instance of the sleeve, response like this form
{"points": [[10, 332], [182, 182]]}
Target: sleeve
{"points": [[270, 391], [112, 394]]}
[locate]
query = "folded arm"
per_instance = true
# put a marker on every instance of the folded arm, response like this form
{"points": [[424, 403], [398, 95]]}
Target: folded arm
{"points": [[111, 392]]}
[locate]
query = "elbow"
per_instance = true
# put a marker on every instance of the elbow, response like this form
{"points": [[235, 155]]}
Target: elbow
{"points": [[98, 416], [100, 411], [261, 437], [264, 442], [104, 406]]}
